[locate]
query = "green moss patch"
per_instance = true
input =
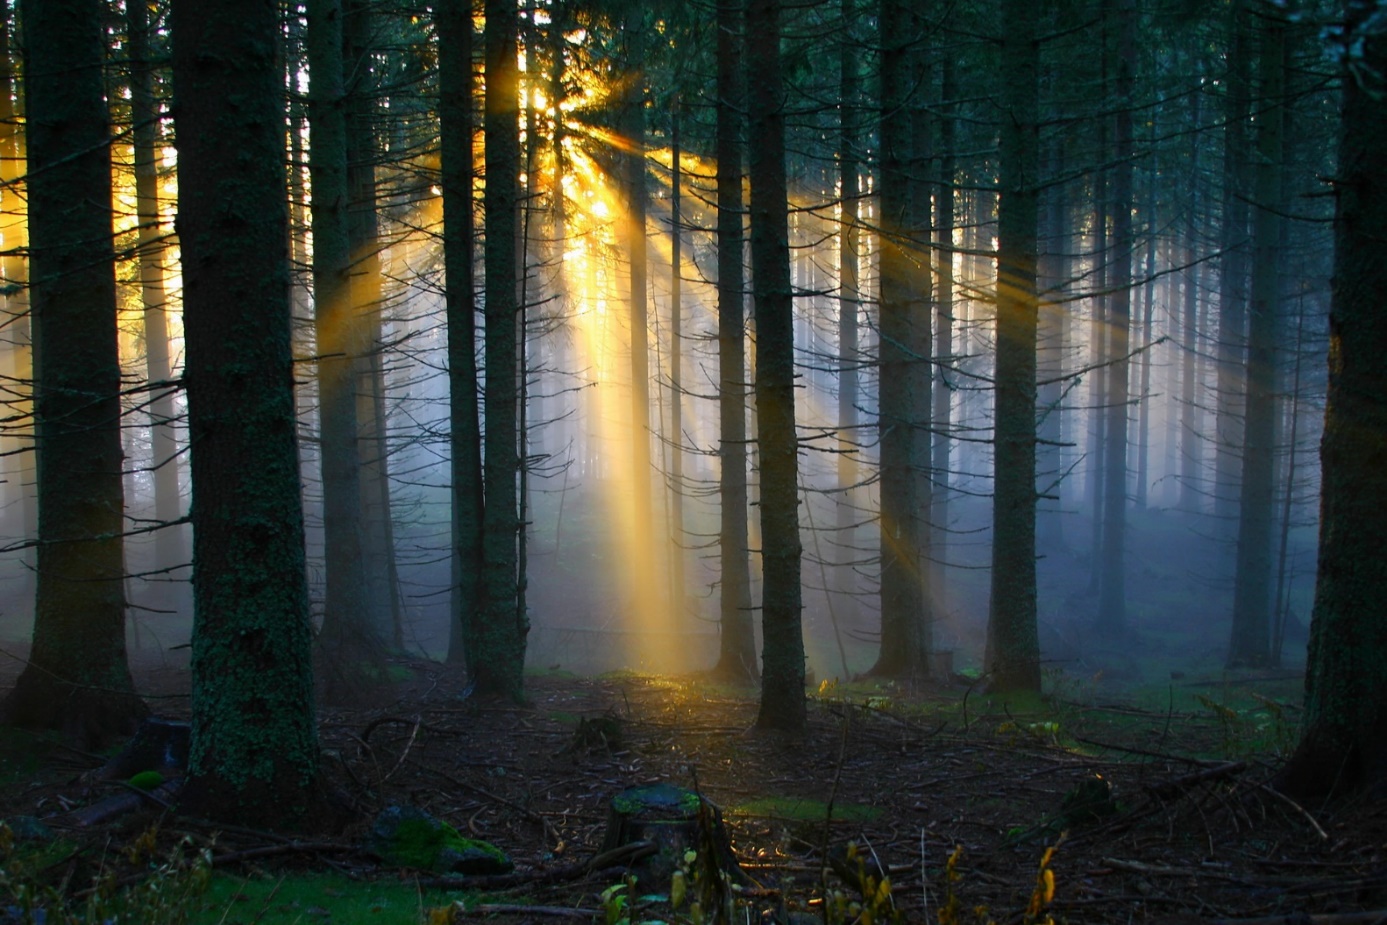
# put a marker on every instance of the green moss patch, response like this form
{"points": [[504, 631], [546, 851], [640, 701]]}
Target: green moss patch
{"points": [[804, 810], [301, 898]]}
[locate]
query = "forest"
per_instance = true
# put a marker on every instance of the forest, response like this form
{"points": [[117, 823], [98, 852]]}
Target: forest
{"points": [[847, 461]]}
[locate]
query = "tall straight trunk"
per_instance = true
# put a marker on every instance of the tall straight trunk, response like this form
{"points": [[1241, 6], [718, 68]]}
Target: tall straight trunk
{"points": [[144, 117], [737, 650], [500, 636], [348, 636], [1233, 266], [1148, 320], [1191, 441], [77, 678], [454, 24], [678, 592], [1112, 572], [1013, 643], [1099, 342], [1343, 742], [254, 755], [849, 300], [782, 656], [15, 277], [1250, 642], [941, 414], [647, 590], [363, 224], [1051, 274], [903, 648]]}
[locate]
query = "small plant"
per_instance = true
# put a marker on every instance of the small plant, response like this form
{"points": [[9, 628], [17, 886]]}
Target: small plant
{"points": [[616, 906], [169, 894], [1043, 893]]}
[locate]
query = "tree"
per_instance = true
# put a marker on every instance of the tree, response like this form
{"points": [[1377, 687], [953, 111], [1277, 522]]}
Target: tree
{"points": [[454, 22], [77, 678], [348, 639], [1343, 742], [1112, 567], [254, 756], [500, 636], [144, 118], [737, 652], [904, 650], [1012, 641], [1250, 643], [782, 653]]}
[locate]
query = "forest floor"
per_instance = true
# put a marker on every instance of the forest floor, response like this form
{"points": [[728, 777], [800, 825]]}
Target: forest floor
{"points": [[1193, 832]]}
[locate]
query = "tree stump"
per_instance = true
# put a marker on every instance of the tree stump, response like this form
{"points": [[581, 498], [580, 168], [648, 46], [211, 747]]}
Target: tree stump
{"points": [[674, 821]]}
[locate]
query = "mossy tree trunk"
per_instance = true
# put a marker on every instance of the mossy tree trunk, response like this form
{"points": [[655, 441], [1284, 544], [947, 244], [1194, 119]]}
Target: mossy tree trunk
{"points": [[78, 678], [1012, 641], [737, 653], [1344, 733], [782, 634], [254, 741]]}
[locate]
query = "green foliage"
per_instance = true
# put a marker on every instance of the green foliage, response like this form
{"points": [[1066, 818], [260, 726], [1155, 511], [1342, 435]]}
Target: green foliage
{"points": [[146, 780], [301, 898], [170, 892]]}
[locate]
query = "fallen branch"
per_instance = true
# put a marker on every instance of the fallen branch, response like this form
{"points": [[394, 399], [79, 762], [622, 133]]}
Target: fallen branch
{"points": [[1301, 918], [519, 909]]}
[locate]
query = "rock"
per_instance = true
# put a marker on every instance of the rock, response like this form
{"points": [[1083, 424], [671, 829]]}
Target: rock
{"points": [[159, 745], [28, 828], [409, 837]]}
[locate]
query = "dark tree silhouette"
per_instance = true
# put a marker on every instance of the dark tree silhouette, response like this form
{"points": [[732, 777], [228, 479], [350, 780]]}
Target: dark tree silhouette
{"points": [[782, 654], [254, 745], [1012, 642], [454, 21], [77, 678], [500, 633], [1343, 741], [737, 653]]}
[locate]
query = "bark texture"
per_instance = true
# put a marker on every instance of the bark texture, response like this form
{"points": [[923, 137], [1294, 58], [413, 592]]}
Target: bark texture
{"points": [[254, 741], [1344, 733]]}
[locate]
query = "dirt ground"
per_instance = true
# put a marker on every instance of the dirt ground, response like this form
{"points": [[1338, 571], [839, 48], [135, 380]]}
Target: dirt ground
{"points": [[1193, 832]]}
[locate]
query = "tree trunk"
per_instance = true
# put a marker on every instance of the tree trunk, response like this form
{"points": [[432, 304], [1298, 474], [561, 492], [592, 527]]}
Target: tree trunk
{"points": [[77, 678], [144, 117], [454, 23], [254, 756], [348, 639], [1343, 742], [903, 648], [846, 505], [500, 659], [782, 657], [737, 651], [1250, 644], [381, 586], [1233, 268], [1112, 569], [678, 592], [1013, 646]]}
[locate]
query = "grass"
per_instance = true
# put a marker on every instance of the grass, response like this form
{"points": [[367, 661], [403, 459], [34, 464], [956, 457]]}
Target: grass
{"points": [[306, 898], [803, 810]]}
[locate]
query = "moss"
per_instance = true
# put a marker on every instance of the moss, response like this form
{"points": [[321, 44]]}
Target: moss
{"points": [[804, 810], [146, 780]]}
